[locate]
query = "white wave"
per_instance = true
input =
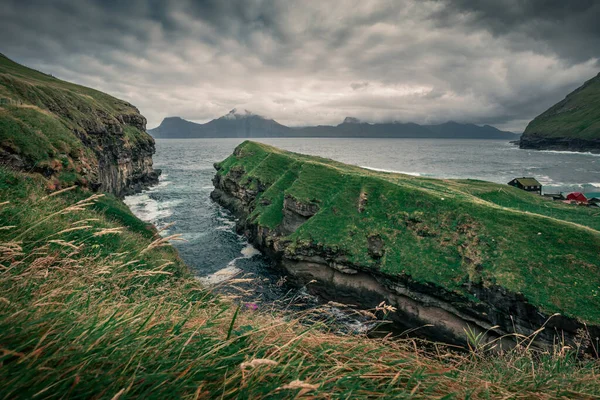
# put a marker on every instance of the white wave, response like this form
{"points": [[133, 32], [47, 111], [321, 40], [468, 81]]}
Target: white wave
{"points": [[221, 275], [230, 270], [146, 208], [353, 325], [250, 251], [569, 152], [392, 171], [581, 186], [161, 184], [170, 203], [226, 227], [227, 224], [545, 180]]}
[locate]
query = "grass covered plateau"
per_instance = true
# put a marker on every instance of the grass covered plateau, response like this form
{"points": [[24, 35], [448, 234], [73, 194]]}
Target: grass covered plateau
{"points": [[450, 233]]}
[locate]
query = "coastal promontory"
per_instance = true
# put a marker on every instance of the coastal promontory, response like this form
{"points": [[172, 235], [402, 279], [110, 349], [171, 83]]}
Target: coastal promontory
{"points": [[449, 255], [572, 124], [72, 134]]}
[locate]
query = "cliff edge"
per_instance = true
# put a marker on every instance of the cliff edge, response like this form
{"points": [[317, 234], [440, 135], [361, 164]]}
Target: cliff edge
{"points": [[451, 256], [72, 134]]}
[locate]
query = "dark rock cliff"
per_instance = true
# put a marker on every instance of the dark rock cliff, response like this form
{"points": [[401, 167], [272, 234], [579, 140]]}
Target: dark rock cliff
{"points": [[535, 142], [123, 167]]}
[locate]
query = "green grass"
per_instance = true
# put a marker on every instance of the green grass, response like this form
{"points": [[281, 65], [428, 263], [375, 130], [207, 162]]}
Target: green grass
{"points": [[22, 83], [36, 135], [92, 304], [577, 116], [447, 232]]}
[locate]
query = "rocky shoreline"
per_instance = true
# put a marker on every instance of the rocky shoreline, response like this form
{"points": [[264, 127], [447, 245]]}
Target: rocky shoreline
{"points": [[430, 311], [534, 142]]}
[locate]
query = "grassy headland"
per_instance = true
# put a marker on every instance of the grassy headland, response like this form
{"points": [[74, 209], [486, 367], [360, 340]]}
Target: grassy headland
{"points": [[572, 124], [67, 132], [451, 233], [577, 116]]}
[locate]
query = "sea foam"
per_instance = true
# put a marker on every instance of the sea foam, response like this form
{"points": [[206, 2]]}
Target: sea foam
{"points": [[392, 171]]}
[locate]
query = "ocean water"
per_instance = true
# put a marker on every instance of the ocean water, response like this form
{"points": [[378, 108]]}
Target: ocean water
{"points": [[180, 203]]}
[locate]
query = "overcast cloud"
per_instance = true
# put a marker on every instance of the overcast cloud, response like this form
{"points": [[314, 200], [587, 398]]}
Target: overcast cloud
{"points": [[499, 62]]}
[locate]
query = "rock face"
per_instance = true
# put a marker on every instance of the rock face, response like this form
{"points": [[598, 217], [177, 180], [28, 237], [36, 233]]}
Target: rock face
{"points": [[573, 124], [72, 134], [123, 168], [433, 311]]}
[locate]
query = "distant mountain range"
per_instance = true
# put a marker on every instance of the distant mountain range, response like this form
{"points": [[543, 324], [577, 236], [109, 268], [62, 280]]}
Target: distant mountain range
{"points": [[245, 124]]}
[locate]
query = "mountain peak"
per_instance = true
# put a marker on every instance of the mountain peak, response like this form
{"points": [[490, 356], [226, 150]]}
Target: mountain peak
{"points": [[351, 120], [237, 114]]}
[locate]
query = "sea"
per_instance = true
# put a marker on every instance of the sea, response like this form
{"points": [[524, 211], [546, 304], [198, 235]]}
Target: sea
{"points": [[225, 261]]}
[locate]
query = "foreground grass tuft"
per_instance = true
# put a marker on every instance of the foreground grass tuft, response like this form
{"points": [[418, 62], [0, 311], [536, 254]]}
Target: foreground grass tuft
{"points": [[91, 306]]}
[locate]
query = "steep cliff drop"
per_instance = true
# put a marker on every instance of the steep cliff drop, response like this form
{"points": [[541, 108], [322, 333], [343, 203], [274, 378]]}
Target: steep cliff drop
{"points": [[71, 134], [442, 252]]}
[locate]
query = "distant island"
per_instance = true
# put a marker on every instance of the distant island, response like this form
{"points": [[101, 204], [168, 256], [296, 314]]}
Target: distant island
{"points": [[245, 124], [572, 124]]}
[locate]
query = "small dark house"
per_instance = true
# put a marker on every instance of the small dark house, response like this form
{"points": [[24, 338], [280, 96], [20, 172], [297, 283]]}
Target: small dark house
{"points": [[527, 184]]}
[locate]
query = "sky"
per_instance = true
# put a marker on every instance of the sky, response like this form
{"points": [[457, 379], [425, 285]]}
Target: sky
{"points": [[497, 62]]}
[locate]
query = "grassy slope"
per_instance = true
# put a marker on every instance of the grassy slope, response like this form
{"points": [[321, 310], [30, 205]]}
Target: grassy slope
{"points": [[577, 116], [89, 307], [45, 118], [448, 232]]}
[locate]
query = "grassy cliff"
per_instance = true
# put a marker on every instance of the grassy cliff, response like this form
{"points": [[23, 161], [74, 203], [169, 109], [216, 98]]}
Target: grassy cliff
{"points": [[571, 124], [70, 133], [576, 116], [454, 234]]}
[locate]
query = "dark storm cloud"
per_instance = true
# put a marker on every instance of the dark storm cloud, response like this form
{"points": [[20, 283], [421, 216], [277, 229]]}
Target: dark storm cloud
{"points": [[569, 28], [498, 62]]}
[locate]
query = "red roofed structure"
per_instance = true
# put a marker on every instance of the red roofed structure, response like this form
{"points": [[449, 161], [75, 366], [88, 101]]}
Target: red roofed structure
{"points": [[577, 196]]}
